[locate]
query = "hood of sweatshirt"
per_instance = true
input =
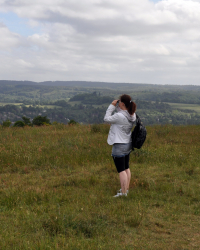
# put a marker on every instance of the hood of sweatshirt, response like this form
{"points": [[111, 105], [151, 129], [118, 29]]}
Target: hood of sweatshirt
{"points": [[131, 118]]}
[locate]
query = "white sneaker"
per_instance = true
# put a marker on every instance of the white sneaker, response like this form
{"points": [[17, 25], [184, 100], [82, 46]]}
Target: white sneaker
{"points": [[120, 194]]}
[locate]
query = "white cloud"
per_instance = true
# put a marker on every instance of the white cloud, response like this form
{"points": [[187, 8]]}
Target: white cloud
{"points": [[24, 64], [105, 40], [8, 39]]}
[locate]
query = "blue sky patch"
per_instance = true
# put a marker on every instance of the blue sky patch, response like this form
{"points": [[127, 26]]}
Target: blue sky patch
{"points": [[18, 25]]}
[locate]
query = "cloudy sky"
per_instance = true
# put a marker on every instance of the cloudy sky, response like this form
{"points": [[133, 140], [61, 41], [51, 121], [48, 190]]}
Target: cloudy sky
{"points": [[133, 41]]}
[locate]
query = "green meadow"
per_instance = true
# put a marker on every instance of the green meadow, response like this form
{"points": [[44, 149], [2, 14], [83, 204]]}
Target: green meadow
{"points": [[39, 106], [57, 185], [184, 106], [9, 103]]}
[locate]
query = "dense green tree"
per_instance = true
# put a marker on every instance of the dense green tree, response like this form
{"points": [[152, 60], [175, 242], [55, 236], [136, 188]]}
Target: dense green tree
{"points": [[40, 120], [6, 123], [72, 122], [26, 120], [19, 124]]}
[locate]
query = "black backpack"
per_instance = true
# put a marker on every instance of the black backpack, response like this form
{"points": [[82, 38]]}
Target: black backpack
{"points": [[139, 134]]}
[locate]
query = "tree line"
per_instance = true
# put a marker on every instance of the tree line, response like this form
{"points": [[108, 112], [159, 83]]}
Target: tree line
{"points": [[37, 121], [150, 113]]}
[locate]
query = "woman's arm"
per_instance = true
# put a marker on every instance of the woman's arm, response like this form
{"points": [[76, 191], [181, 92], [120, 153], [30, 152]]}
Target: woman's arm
{"points": [[109, 118]]}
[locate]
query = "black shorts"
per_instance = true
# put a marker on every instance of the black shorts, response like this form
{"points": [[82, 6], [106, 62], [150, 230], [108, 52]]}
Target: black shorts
{"points": [[121, 163]]}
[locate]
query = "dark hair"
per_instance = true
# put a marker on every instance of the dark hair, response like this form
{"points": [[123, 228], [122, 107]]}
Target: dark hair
{"points": [[130, 105]]}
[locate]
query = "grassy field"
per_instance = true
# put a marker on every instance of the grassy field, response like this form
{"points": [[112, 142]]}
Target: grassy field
{"points": [[57, 185], [9, 103], [194, 107], [39, 106]]}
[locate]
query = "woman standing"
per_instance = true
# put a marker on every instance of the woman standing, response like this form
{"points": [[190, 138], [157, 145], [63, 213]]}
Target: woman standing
{"points": [[120, 137]]}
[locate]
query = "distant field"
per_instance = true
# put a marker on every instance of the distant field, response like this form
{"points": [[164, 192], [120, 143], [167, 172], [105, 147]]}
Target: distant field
{"points": [[73, 103], [194, 107], [40, 106], [9, 103], [48, 106], [53, 106]]}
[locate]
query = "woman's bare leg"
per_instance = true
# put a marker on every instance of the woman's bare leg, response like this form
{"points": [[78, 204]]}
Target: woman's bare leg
{"points": [[123, 181], [128, 172]]}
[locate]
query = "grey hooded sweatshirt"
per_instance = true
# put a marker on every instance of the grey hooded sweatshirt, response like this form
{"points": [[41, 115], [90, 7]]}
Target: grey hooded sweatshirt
{"points": [[121, 125]]}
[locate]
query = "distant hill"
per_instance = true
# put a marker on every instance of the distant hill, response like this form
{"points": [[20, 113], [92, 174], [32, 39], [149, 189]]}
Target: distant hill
{"points": [[10, 82], [116, 86]]}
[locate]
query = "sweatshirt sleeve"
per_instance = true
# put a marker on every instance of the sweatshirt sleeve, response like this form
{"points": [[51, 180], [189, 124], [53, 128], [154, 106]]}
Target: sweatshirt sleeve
{"points": [[109, 118]]}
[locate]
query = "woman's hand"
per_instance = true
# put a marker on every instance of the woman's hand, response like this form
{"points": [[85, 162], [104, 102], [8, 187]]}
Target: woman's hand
{"points": [[114, 102]]}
